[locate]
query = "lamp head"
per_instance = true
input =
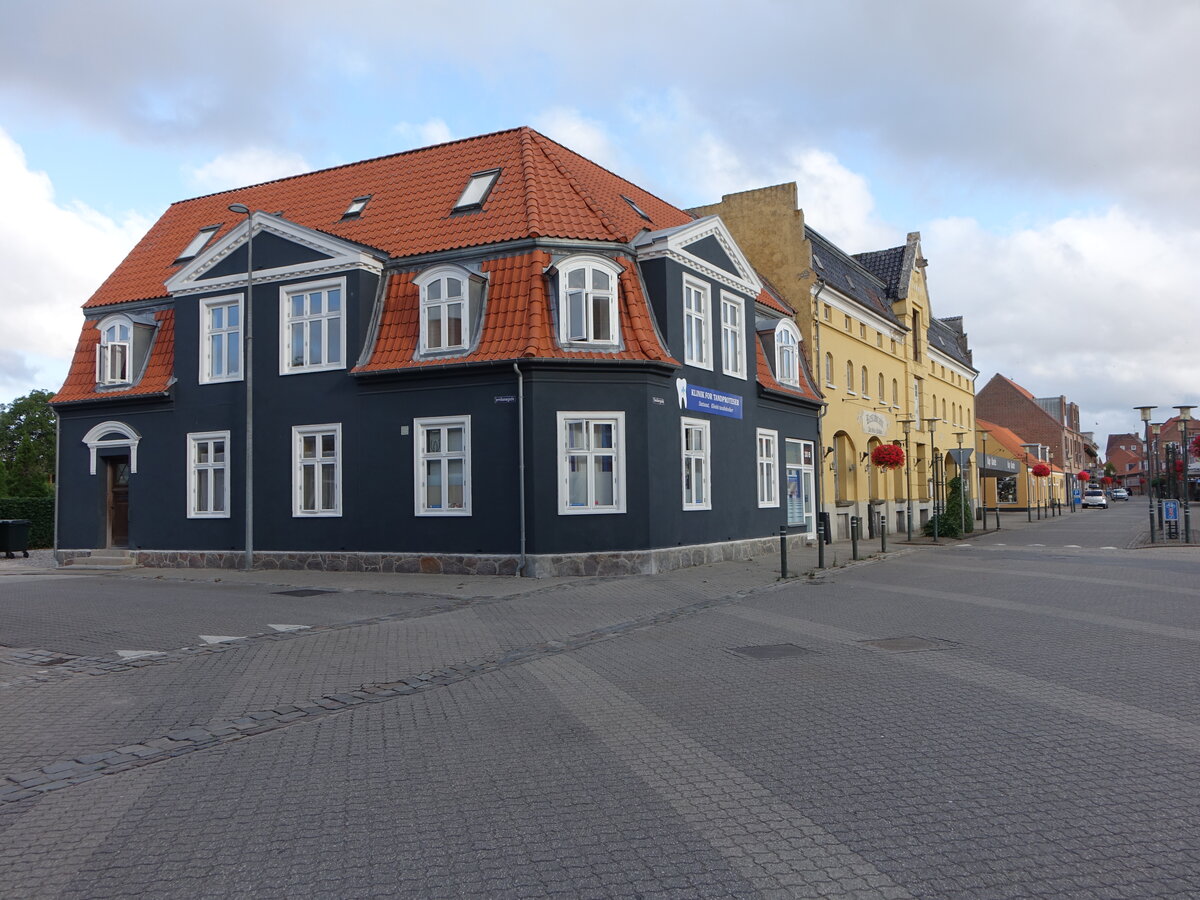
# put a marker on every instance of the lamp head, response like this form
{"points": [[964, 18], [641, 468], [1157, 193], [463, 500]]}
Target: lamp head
{"points": [[240, 208], [1185, 413], [1145, 411]]}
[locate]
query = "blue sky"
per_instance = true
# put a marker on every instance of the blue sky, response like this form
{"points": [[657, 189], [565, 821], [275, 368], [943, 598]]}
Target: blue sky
{"points": [[1044, 151]]}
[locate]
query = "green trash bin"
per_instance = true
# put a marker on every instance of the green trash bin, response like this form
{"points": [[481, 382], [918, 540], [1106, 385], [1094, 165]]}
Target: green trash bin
{"points": [[14, 537]]}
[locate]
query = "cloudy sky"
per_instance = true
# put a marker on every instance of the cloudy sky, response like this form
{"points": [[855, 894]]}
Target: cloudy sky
{"points": [[1049, 153]]}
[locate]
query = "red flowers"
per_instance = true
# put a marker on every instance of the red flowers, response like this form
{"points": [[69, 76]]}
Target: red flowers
{"points": [[1084, 476], [1106, 480], [887, 456], [1041, 470]]}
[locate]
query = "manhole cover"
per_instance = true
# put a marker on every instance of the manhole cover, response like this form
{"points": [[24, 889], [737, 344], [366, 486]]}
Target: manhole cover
{"points": [[770, 651], [907, 644], [303, 592]]}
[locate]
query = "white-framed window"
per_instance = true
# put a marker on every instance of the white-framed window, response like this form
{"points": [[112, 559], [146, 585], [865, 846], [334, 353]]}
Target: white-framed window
{"points": [[587, 309], [696, 324], [591, 462], [312, 321], [768, 467], [696, 448], [787, 354], [221, 339], [317, 470], [114, 352], [208, 475], [801, 487], [733, 335], [442, 466], [445, 309]]}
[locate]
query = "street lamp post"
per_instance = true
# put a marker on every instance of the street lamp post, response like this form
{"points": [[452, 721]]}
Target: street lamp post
{"points": [[1029, 451], [962, 484], [1185, 416], [907, 425], [1155, 468], [982, 485], [248, 375], [1145, 412]]}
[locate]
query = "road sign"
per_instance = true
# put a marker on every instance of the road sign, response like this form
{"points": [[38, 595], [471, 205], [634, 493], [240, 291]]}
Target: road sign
{"points": [[1170, 510], [1078, 494]]}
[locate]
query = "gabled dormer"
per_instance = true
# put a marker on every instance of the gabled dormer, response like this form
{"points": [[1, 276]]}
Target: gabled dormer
{"points": [[706, 247], [123, 348]]}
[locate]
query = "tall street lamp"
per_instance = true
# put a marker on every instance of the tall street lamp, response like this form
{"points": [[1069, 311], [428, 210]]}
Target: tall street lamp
{"points": [[907, 425], [933, 461], [1185, 416], [1145, 412], [983, 486], [962, 484], [248, 362], [1029, 451]]}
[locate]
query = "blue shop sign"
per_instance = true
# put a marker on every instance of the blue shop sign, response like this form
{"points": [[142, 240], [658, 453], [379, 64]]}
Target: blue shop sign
{"points": [[707, 400]]}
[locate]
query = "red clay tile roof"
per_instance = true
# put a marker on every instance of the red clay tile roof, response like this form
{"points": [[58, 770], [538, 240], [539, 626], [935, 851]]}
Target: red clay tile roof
{"points": [[518, 323], [544, 190], [772, 299], [767, 379], [81, 378]]}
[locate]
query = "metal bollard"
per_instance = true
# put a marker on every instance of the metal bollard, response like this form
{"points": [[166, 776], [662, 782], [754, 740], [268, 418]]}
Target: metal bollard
{"points": [[882, 533], [783, 567], [820, 543], [997, 518], [854, 520]]}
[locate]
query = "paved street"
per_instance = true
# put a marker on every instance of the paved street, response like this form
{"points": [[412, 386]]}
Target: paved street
{"points": [[1014, 715]]}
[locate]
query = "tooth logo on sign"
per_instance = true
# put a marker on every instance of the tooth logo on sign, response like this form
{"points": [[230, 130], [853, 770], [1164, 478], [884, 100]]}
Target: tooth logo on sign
{"points": [[681, 390]]}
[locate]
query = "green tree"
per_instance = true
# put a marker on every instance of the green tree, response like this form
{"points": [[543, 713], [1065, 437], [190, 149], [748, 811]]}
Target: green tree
{"points": [[1110, 470], [956, 519], [27, 432]]}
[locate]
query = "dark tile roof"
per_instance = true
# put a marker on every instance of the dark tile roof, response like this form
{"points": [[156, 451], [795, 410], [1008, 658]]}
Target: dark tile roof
{"points": [[840, 271], [886, 265], [949, 341]]}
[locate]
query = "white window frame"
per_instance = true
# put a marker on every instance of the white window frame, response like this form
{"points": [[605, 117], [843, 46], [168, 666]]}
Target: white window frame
{"points": [[440, 274], [299, 432], [106, 351], [286, 320], [787, 344], [733, 335], [207, 334], [766, 444], [697, 463], [194, 467], [421, 456], [590, 295], [697, 324], [615, 418]]}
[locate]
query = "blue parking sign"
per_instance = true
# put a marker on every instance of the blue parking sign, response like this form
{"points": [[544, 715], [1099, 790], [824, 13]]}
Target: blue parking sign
{"points": [[1170, 510]]}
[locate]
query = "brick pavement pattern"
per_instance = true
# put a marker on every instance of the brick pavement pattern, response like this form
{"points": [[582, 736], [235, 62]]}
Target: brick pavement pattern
{"points": [[599, 738]]}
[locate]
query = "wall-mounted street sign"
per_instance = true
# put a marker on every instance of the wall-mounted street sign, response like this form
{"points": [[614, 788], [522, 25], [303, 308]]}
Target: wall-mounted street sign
{"points": [[998, 465], [707, 400]]}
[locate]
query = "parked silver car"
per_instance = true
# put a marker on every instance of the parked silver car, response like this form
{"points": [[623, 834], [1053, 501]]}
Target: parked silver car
{"points": [[1094, 497], [1120, 494]]}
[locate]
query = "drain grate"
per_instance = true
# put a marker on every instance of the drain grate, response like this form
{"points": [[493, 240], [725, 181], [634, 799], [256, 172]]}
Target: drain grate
{"points": [[303, 592], [770, 651], [908, 644]]}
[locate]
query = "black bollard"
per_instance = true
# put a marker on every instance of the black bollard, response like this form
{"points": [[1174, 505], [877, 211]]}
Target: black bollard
{"points": [[783, 568], [854, 520], [820, 543], [882, 533]]}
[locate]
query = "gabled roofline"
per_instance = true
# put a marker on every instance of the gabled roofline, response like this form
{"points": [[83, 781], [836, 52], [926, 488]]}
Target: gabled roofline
{"points": [[670, 242]]}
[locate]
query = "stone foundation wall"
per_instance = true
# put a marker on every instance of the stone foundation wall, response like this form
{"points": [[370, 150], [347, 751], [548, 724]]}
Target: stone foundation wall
{"points": [[629, 562]]}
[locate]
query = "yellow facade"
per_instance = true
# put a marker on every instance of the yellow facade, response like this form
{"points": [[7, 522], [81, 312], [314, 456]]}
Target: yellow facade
{"points": [[875, 369]]}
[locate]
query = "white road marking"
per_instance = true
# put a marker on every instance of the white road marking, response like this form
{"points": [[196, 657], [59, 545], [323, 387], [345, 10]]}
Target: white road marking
{"points": [[288, 627], [138, 654], [966, 546], [220, 638], [1110, 548], [1035, 545], [1072, 547]]}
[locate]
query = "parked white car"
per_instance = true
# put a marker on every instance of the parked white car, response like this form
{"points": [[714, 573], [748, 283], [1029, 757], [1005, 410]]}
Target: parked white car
{"points": [[1120, 494], [1095, 497]]}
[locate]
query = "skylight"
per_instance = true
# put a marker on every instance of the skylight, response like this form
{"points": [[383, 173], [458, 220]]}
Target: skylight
{"points": [[477, 190], [637, 209], [198, 242], [850, 281], [817, 261], [357, 205]]}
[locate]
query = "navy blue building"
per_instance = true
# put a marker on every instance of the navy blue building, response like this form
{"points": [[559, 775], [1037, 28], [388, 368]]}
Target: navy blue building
{"points": [[487, 356]]}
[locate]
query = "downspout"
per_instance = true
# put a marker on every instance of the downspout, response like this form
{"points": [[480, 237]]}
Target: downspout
{"points": [[521, 464], [57, 477]]}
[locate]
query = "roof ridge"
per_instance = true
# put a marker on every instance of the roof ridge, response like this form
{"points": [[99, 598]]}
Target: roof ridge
{"points": [[351, 165], [592, 203], [533, 219]]}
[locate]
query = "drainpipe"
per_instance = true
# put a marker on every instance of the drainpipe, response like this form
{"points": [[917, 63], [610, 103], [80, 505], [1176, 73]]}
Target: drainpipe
{"points": [[819, 367], [57, 477], [521, 465]]}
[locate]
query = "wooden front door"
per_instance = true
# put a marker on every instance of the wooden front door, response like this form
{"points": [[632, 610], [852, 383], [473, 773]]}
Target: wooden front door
{"points": [[118, 501]]}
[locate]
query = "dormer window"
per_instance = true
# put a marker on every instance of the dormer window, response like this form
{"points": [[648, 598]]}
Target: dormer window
{"points": [[477, 190], [357, 205], [199, 242], [447, 296], [114, 351], [587, 311], [787, 353]]}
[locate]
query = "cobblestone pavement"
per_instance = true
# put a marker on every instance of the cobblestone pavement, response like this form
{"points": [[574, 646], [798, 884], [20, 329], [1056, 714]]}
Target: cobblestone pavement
{"points": [[1009, 716]]}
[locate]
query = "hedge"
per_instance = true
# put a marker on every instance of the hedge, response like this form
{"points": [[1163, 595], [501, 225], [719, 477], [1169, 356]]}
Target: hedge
{"points": [[38, 510]]}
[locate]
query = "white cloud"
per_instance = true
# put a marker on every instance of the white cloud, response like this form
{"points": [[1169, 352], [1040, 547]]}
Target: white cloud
{"points": [[587, 137], [426, 134], [54, 255], [250, 165]]}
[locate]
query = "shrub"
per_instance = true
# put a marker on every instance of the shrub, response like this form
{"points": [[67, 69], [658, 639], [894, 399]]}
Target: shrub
{"points": [[38, 510], [956, 519]]}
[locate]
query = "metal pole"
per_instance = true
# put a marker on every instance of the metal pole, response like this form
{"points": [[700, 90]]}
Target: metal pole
{"points": [[854, 528], [883, 532], [1146, 479], [783, 562], [820, 542], [1185, 416], [248, 363]]}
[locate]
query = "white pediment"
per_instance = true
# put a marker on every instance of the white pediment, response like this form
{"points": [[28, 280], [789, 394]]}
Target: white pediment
{"points": [[335, 255], [674, 243]]}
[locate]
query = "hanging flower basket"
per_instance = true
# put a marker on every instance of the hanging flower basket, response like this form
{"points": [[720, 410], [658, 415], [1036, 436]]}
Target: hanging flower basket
{"points": [[1106, 480], [887, 456], [1178, 466], [1195, 445], [1084, 476], [1041, 470]]}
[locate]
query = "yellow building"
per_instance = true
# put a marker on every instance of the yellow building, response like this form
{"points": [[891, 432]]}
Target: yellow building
{"points": [[1006, 464], [882, 358]]}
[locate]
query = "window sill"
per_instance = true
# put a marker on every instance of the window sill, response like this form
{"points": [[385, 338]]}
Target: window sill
{"points": [[231, 380], [305, 370], [588, 511]]}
